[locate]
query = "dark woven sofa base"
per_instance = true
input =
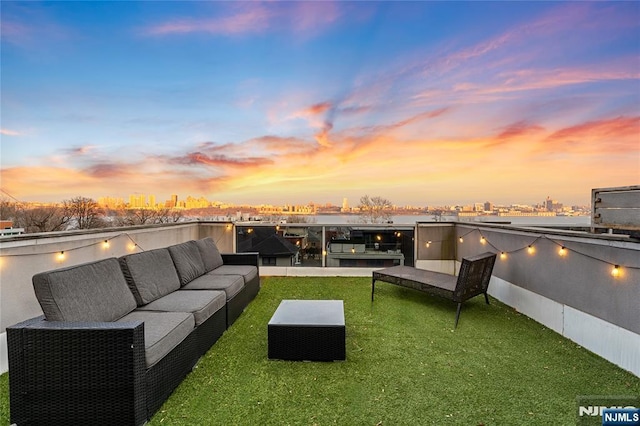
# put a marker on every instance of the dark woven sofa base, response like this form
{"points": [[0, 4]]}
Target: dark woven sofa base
{"points": [[235, 306], [240, 301], [77, 373], [252, 288], [162, 378], [210, 331]]}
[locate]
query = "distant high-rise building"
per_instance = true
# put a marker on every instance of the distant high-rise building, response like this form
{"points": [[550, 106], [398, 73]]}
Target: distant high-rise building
{"points": [[173, 202], [111, 203], [552, 205], [137, 201], [488, 206], [345, 205], [152, 201]]}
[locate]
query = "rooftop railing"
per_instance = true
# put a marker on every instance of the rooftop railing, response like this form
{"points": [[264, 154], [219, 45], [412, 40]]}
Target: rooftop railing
{"points": [[584, 286]]}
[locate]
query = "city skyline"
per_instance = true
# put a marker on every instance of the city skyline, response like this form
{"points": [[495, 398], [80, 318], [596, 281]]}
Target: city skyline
{"points": [[345, 205], [422, 103]]}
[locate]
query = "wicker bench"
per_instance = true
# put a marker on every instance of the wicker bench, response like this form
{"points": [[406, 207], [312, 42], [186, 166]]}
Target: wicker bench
{"points": [[472, 280]]}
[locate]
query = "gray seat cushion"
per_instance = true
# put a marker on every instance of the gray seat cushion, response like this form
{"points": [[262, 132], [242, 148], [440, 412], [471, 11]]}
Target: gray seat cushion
{"points": [[210, 254], [201, 303], [150, 274], [231, 284], [248, 272], [187, 260], [163, 331], [95, 291]]}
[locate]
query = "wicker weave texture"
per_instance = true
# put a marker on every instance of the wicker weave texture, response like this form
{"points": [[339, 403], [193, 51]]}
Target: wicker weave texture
{"points": [[75, 373], [307, 343]]}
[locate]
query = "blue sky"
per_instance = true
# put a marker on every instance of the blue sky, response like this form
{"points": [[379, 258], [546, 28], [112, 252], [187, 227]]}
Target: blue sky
{"points": [[423, 103]]}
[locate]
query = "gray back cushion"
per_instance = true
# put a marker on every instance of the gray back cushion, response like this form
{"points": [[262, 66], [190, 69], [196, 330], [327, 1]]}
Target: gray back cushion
{"points": [[95, 291], [211, 256], [150, 274], [187, 260]]}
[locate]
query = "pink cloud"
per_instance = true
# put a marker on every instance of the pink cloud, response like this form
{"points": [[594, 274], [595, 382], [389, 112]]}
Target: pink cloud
{"points": [[13, 31], [521, 128], [312, 16], [248, 20], [614, 134], [255, 17], [8, 132]]}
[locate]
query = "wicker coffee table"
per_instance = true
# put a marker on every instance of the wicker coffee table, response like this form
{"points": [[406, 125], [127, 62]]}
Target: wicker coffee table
{"points": [[308, 330]]}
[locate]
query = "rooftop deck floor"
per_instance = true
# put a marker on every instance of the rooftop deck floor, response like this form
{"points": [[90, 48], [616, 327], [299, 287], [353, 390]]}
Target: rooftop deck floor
{"points": [[405, 365]]}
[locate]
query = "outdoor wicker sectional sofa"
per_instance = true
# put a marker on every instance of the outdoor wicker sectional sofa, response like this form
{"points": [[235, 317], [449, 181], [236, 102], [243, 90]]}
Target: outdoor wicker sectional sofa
{"points": [[119, 335]]}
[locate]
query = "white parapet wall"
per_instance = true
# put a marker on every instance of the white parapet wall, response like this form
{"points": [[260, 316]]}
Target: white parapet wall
{"points": [[4, 356], [613, 343]]}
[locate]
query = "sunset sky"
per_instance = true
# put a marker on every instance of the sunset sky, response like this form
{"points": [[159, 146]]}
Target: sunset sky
{"points": [[422, 103]]}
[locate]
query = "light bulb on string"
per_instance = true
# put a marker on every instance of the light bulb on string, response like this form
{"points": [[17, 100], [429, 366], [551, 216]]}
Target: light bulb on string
{"points": [[615, 272]]}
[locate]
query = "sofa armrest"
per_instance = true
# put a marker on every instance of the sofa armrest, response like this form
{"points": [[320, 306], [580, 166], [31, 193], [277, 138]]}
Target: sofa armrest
{"points": [[249, 258], [70, 372]]}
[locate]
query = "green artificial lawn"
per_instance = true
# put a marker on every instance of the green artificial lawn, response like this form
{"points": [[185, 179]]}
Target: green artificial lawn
{"points": [[405, 366]]}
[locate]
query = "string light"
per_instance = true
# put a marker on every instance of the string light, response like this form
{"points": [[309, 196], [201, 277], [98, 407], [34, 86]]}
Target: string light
{"points": [[616, 269], [615, 272]]}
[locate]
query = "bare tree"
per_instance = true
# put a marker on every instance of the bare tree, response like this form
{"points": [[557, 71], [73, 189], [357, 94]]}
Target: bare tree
{"points": [[85, 213], [132, 217], [42, 219], [169, 216], [7, 209], [375, 209]]}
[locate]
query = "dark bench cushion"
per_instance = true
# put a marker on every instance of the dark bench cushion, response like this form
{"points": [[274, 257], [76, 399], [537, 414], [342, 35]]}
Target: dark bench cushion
{"points": [[188, 261], [95, 291], [150, 274], [210, 254], [231, 284], [201, 303], [163, 331]]}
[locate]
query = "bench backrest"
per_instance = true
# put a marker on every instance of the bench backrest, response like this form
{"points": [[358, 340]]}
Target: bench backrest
{"points": [[473, 278]]}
